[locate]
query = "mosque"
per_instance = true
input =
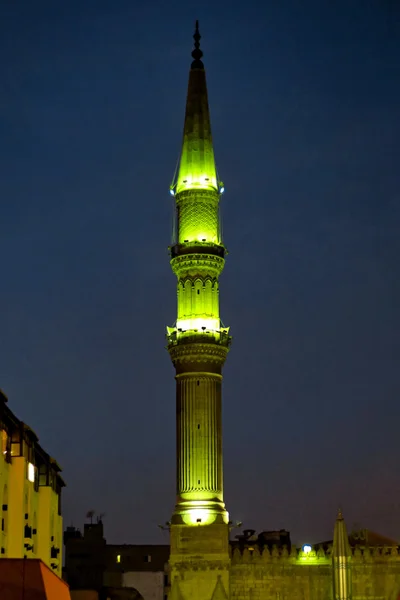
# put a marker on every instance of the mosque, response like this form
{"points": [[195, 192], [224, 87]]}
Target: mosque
{"points": [[203, 563]]}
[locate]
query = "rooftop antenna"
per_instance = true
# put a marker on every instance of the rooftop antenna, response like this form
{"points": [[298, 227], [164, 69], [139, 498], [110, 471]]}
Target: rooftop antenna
{"points": [[90, 514]]}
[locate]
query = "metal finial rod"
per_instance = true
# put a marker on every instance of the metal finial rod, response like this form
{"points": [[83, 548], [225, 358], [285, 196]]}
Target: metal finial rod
{"points": [[197, 53]]}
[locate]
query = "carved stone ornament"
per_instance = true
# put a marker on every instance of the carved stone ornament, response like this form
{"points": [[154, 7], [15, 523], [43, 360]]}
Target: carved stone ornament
{"points": [[198, 352], [184, 264]]}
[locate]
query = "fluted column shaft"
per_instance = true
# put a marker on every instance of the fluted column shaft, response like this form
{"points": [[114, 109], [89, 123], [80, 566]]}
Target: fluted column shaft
{"points": [[199, 437]]}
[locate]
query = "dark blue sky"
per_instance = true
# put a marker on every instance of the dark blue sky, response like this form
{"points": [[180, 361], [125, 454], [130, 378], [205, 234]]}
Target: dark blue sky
{"points": [[305, 111]]}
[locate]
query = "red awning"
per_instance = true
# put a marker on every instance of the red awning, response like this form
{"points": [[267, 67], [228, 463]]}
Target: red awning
{"points": [[30, 579]]}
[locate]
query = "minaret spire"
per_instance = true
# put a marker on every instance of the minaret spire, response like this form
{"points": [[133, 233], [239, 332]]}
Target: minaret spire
{"points": [[197, 168]]}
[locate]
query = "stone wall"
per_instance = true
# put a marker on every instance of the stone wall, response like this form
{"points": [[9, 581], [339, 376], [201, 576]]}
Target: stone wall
{"points": [[278, 575], [149, 584]]}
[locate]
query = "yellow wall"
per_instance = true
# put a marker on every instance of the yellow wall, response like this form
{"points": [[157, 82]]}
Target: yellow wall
{"points": [[16, 509], [49, 528], [20, 505], [4, 498]]}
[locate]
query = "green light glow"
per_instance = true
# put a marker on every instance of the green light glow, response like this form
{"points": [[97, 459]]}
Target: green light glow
{"points": [[199, 513], [202, 324], [196, 181], [198, 516], [308, 556], [198, 305]]}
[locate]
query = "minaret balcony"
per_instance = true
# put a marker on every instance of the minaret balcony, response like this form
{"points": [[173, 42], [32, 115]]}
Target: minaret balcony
{"points": [[197, 247], [203, 335]]}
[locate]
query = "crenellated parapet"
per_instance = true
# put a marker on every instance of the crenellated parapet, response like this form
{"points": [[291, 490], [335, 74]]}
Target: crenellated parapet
{"points": [[375, 554], [316, 557], [266, 556]]}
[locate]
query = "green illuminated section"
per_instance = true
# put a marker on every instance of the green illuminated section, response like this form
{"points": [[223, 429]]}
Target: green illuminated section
{"points": [[196, 187], [197, 168], [197, 165], [198, 217], [202, 516], [308, 556], [198, 305]]}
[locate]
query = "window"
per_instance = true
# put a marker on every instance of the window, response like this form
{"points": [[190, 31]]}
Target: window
{"points": [[28, 532], [118, 558], [28, 451], [147, 558], [16, 443], [4, 441], [5, 510], [43, 475]]}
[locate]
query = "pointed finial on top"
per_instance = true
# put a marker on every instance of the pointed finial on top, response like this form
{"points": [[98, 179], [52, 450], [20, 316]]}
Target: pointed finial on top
{"points": [[340, 514], [197, 53]]}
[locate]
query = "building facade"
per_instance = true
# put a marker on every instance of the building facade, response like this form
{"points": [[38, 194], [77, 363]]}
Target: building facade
{"points": [[113, 570], [30, 495]]}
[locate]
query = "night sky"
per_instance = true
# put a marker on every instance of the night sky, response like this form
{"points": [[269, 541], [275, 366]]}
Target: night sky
{"points": [[305, 109]]}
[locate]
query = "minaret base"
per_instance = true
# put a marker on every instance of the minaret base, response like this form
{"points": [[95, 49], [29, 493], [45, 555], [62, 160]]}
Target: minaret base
{"points": [[199, 561]]}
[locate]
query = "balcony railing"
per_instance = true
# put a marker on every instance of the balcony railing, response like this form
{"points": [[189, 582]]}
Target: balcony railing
{"points": [[196, 247], [204, 336]]}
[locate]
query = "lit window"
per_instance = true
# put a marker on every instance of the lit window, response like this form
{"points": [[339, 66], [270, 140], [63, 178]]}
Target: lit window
{"points": [[31, 472], [4, 441], [118, 558]]}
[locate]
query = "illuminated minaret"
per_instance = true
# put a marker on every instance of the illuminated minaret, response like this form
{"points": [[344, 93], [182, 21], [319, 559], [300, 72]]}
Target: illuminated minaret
{"points": [[198, 345], [341, 561]]}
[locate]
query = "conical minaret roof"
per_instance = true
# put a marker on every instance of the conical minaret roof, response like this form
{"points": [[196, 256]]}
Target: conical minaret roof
{"points": [[197, 165], [341, 546]]}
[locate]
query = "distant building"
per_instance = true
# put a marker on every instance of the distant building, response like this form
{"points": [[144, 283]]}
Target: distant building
{"points": [[30, 495], [113, 571]]}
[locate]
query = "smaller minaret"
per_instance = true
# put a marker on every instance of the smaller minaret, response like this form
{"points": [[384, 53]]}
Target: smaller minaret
{"points": [[341, 561]]}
